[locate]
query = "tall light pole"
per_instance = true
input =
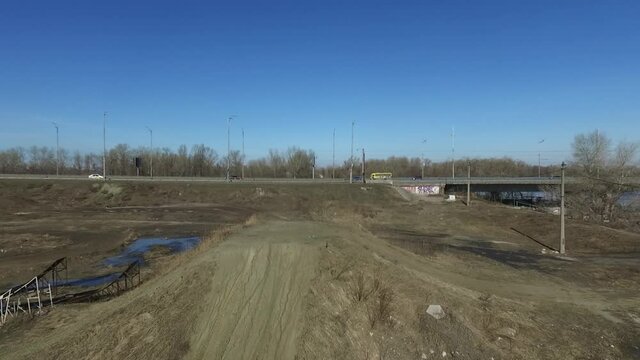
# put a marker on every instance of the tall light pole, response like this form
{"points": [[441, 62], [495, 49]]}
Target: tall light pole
{"points": [[599, 155], [313, 168], [453, 152], [468, 182], [539, 160], [151, 162], [562, 239], [228, 147], [104, 145], [364, 167], [242, 153], [57, 149], [333, 163], [423, 161], [351, 167]]}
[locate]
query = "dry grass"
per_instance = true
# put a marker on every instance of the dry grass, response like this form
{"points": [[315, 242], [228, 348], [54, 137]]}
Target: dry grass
{"points": [[380, 309], [360, 290]]}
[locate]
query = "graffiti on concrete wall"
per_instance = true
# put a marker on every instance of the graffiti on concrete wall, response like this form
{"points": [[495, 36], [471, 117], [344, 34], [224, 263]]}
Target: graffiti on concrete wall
{"points": [[423, 189]]}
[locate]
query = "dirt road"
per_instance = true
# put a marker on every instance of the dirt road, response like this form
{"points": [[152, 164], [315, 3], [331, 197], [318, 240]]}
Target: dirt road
{"points": [[254, 307]]}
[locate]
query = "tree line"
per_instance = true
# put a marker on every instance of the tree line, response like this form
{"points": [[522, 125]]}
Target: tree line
{"points": [[201, 160], [593, 156]]}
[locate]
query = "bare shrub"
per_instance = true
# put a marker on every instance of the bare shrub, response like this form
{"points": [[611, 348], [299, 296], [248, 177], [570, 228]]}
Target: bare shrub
{"points": [[379, 311], [359, 288], [338, 273], [375, 285], [252, 220]]}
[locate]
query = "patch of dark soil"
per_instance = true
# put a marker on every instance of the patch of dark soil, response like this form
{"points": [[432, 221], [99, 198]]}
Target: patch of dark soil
{"points": [[517, 259]]}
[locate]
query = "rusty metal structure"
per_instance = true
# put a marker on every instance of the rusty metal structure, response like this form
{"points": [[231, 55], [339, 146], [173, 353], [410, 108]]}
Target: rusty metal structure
{"points": [[126, 281], [44, 290]]}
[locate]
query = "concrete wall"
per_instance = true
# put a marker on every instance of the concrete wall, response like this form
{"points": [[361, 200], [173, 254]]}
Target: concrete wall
{"points": [[423, 189]]}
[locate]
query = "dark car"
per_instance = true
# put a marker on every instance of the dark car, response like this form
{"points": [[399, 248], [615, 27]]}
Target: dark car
{"points": [[417, 177], [357, 178]]}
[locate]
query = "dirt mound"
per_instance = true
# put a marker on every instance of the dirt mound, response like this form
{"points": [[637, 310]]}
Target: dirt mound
{"points": [[254, 307]]}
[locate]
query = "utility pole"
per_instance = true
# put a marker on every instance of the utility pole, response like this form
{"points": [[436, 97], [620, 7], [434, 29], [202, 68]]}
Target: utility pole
{"points": [[57, 149], [599, 153], [423, 161], [364, 180], [562, 239], [351, 167], [104, 146], [333, 163], [539, 164], [453, 152], [313, 167], [151, 162], [539, 160], [468, 183], [228, 147], [242, 153]]}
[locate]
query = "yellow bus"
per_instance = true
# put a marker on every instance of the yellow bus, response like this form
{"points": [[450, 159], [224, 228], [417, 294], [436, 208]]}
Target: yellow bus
{"points": [[381, 176]]}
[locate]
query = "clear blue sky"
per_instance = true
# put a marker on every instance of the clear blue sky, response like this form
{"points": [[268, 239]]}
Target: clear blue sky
{"points": [[504, 73]]}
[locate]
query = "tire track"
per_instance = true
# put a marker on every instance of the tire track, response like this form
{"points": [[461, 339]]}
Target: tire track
{"points": [[254, 308]]}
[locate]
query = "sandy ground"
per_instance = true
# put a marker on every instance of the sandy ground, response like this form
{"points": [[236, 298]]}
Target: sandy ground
{"points": [[254, 308], [342, 273]]}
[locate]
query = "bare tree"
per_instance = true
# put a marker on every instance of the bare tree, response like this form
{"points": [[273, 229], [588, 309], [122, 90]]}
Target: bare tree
{"points": [[625, 154], [276, 161], [590, 151], [77, 162], [299, 162], [597, 196]]}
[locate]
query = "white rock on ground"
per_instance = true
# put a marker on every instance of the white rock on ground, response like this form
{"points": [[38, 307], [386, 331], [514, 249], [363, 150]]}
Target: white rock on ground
{"points": [[436, 311]]}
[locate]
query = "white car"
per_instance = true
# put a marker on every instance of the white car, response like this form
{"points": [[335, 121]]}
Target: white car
{"points": [[96, 176]]}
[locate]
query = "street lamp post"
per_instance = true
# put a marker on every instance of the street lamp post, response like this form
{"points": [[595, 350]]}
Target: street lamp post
{"points": [[313, 168], [562, 238], [423, 161], [539, 159], [351, 167], [364, 167], [333, 163], [228, 147], [469, 183], [242, 153], [104, 146], [453, 153], [57, 149], [151, 162]]}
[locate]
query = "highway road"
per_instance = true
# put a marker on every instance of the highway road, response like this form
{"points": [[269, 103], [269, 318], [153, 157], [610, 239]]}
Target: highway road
{"points": [[396, 181]]}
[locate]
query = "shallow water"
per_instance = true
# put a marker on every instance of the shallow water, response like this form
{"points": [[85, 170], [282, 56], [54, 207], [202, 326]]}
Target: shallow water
{"points": [[132, 253], [136, 250]]}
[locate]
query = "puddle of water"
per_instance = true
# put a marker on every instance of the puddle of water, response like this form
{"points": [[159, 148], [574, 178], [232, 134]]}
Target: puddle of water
{"points": [[136, 250]]}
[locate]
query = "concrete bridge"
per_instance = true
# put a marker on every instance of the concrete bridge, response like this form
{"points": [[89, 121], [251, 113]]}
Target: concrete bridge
{"points": [[487, 184], [497, 184]]}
